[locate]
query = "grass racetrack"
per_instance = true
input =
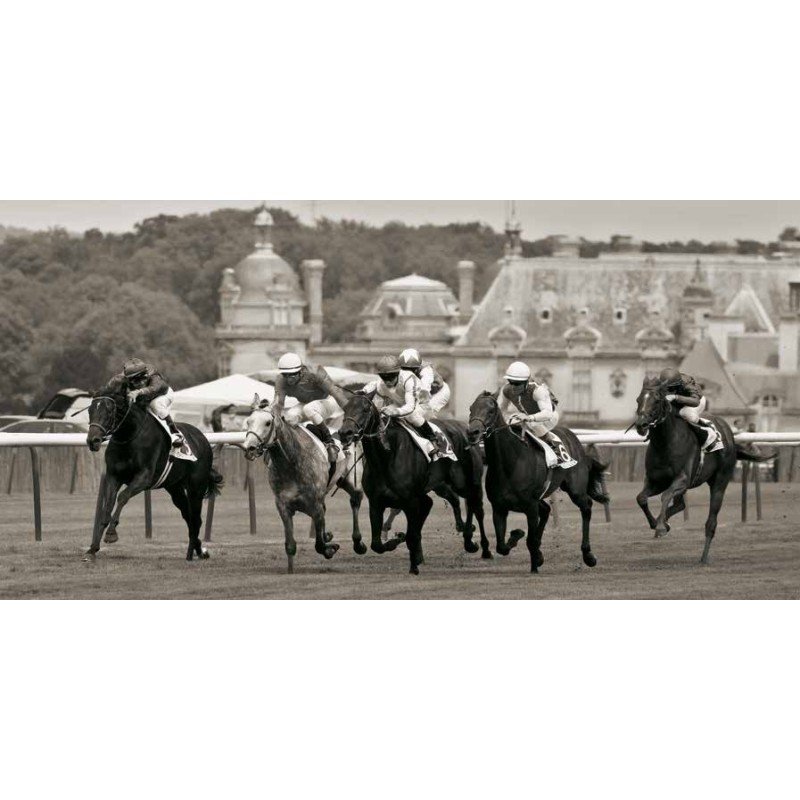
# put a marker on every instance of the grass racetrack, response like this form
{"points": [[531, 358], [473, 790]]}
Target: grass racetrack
{"points": [[749, 560]]}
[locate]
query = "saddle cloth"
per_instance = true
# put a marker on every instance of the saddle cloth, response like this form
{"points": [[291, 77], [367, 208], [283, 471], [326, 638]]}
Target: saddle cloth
{"points": [[341, 457], [550, 458], [185, 452], [425, 445]]}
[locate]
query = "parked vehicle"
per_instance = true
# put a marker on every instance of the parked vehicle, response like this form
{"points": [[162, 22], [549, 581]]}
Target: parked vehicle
{"points": [[45, 426], [7, 419], [64, 405]]}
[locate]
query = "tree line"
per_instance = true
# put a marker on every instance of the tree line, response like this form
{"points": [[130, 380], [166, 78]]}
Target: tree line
{"points": [[73, 307]]}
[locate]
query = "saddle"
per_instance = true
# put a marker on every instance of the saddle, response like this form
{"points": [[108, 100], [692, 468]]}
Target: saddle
{"points": [[424, 444], [184, 452], [335, 470], [701, 431], [550, 458]]}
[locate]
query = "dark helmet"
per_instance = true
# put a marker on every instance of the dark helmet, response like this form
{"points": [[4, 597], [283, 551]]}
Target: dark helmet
{"points": [[388, 365], [410, 359], [134, 368], [670, 376]]}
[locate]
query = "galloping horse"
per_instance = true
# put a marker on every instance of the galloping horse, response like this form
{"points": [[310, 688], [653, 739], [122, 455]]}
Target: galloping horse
{"points": [[398, 475], [673, 461], [138, 457], [518, 479], [298, 472]]}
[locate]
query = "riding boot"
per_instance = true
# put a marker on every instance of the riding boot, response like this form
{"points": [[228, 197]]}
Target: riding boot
{"points": [[327, 439], [713, 440], [177, 436], [565, 460], [430, 434]]}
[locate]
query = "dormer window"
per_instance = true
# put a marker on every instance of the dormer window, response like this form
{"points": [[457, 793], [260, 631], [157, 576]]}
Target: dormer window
{"points": [[545, 316], [620, 316]]}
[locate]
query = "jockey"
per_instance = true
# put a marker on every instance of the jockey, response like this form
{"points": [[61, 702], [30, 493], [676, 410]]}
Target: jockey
{"points": [[397, 395], [319, 397], [142, 382], [532, 403], [684, 392], [434, 393]]}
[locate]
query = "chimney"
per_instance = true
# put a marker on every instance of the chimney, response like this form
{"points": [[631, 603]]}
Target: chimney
{"points": [[312, 278], [227, 293], [466, 290], [788, 340]]}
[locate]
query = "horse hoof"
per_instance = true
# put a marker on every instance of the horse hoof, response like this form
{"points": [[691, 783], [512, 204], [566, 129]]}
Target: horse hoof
{"points": [[487, 554], [589, 560], [360, 548], [330, 551], [89, 556], [414, 570], [204, 554], [471, 547], [377, 548], [110, 538], [539, 559], [327, 537], [400, 536], [504, 550], [534, 570], [661, 533], [514, 537]]}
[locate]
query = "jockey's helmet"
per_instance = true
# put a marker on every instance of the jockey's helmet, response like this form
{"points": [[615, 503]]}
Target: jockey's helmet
{"points": [[134, 368], [670, 376], [289, 363], [518, 372], [410, 359], [388, 369]]}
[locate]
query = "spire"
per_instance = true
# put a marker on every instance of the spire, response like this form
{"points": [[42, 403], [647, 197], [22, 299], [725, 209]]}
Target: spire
{"points": [[263, 225], [513, 246]]}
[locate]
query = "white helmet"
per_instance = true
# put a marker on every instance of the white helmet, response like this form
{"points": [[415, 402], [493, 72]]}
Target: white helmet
{"points": [[410, 358], [289, 363], [518, 372]]}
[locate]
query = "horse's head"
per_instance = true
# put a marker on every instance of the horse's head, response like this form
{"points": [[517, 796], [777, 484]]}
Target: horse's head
{"points": [[652, 407], [483, 415], [359, 416], [261, 429], [106, 413]]}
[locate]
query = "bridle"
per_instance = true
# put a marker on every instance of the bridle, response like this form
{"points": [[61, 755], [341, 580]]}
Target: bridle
{"points": [[490, 429], [264, 445], [114, 427], [361, 431], [663, 411]]}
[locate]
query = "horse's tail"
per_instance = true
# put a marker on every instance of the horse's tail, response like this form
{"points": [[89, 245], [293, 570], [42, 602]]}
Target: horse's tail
{"points": [[215, 483], [742, 454], [596, 489]]}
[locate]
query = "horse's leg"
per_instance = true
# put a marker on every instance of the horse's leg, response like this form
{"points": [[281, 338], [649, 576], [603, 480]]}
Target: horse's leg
{"points": [[137, 485], [393, 513], [192, 512], [673, 491], [322, 544], [544, 515], [453, 501], [416, 515], [718, 488], [475, 505], [534, 538], [641, 499], [678, 504], [356, 496], [180, 500], [376, 511], [105, 503], [290, 545], [584, 503]]}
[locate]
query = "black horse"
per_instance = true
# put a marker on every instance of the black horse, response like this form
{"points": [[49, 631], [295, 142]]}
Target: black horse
{"points": [[398, 475], [518, 479], [137, 458], [673, 461]]}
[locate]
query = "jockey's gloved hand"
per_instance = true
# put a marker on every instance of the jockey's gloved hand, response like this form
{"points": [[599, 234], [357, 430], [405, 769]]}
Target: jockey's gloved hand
{"points": [[670, 397], [388, 412]]}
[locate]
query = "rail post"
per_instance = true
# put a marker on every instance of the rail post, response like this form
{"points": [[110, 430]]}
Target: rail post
{"points": [[686, 507], [74, 478], [745, 471], [554, 504], [251, 498], [215, 453], [11, 470], [98, 509], [757, 483], [148, 515], [37, 496]]}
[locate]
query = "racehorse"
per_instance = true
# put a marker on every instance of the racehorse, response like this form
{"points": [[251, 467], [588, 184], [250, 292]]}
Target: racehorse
{"points": [[137, 457], [397, 474], [298, 472], [675, 462], [518, 479]]}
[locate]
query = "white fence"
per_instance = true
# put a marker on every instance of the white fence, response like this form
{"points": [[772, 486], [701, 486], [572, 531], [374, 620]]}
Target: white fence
{"points": [[617, 438]]}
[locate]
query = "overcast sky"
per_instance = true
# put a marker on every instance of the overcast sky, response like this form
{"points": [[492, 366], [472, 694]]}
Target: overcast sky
{"points": [[594, 219]]}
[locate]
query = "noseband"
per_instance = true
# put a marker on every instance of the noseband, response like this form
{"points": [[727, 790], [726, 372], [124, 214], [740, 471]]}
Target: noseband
{"points": [[662, 413], [114, 427], [265, 444], [361, 431]]}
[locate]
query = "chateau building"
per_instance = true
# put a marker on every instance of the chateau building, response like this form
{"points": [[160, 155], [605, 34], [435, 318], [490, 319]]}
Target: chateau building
{"points": [[592, 328]]}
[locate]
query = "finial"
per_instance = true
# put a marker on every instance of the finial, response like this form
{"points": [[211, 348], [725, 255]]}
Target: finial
{"points": [[263, 223]]}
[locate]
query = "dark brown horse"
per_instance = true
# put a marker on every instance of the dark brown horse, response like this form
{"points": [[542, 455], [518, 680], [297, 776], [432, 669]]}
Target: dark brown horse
{"points": [[137, 457], [518, 479], [398, 475], [673, 461]]}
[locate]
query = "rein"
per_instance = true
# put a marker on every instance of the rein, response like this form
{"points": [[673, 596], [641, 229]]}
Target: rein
{"points": [[107, 432]]}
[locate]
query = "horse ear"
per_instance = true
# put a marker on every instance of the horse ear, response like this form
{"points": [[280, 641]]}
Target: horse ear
{"points": [[370, 395], [256, 401]]}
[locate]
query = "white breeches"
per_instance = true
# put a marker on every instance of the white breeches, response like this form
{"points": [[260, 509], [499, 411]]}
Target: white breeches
{"points": [[693, 413], [317, 411], [436, 402], [415, 418], [161, 405]]}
